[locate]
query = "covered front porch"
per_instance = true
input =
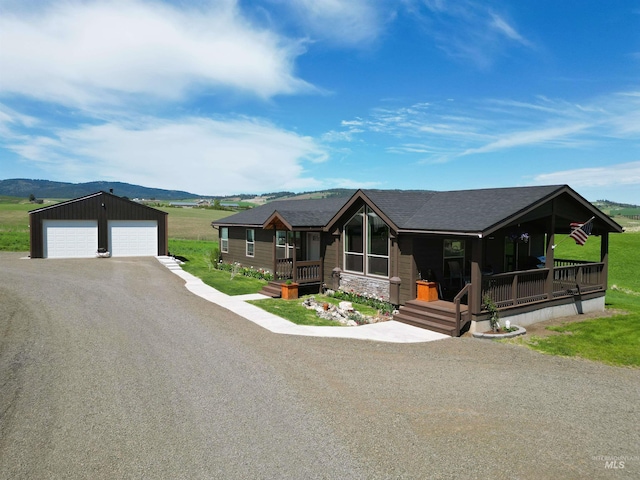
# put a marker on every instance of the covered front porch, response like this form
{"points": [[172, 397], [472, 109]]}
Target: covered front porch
{"points": [[296, 252], [513, 267]]}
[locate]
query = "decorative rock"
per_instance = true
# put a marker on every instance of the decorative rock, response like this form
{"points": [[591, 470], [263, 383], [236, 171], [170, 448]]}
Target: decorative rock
{"points": [[346, 306], [344, 313]]}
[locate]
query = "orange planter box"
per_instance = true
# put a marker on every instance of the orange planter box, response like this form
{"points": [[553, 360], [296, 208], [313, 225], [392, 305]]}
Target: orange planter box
{"points": [[290, 292], [427, 291]]}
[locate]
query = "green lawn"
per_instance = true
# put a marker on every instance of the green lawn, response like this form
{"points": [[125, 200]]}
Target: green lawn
{"points": [[197, 255], [612, 340], [293, 310]]}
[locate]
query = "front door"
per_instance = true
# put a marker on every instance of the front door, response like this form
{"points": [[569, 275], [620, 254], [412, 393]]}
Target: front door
{"points": [[313, 246]]}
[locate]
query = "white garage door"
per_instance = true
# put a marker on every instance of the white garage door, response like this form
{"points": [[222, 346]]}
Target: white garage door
{"points": [[70, 238], [133, 238]]}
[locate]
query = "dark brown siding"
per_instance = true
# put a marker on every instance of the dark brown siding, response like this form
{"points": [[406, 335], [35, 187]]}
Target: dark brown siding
{"points": [[406, 268], [101, 207], [332, 256], [263, 248]]}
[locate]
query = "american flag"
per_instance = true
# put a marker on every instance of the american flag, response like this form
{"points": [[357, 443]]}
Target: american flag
{"points": [[581, 231]]}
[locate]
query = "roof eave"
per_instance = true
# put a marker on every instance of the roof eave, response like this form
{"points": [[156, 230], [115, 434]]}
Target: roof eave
{"points": [[442, 232]]}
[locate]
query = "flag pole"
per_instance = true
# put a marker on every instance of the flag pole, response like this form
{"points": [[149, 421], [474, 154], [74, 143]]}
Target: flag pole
{"points": [[553, 247]]}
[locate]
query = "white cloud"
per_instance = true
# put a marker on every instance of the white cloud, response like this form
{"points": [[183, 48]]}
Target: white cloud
{"points": [[89, 52], [9, 119], [501, 25], [528, 137], [466, 29], [347, 23], [447, 130], [611, 175], [195, 154]]}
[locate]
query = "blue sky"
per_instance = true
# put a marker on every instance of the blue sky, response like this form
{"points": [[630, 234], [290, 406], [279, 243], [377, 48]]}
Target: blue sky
{"points": [[222, 97]]}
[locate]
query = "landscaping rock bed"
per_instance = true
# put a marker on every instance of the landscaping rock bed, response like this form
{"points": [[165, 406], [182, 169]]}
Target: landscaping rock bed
{"points": [[343, 313]]}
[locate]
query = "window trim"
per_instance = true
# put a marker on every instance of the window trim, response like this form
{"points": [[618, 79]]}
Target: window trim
{"points": [[224, 239], [365, 254], [250, 243]]}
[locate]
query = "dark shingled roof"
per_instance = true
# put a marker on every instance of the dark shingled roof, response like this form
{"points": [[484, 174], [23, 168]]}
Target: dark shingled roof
{"points": [[474, 212], [298, 213], [457, 211]]}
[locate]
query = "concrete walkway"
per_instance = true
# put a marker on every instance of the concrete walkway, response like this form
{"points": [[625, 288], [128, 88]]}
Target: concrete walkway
{"points": [[391, 331]]}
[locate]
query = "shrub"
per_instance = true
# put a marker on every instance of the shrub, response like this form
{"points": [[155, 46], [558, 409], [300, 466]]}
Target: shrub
{"points": [[237, 269], [384, 307]]}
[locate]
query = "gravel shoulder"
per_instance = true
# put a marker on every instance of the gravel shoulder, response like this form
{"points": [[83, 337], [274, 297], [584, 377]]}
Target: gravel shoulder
{"points": [[111, 369]]}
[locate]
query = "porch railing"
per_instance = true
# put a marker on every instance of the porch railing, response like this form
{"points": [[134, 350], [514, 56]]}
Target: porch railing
{"points": [[529, 286], [579, 278], [457, 300], [306, 271], [284, 269]]}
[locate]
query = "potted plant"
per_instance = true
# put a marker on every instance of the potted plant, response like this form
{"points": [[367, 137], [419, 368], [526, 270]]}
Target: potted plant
{"points": [[289, 290]]}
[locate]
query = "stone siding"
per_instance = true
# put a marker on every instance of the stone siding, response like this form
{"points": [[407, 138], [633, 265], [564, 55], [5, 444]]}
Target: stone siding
{"points": [[378, 287]]}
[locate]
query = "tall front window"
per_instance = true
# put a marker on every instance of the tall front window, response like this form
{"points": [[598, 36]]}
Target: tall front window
{"points": [[366, 244], [377, 245], [354, 243], [285, 244], [251, 241], [224, 239]]}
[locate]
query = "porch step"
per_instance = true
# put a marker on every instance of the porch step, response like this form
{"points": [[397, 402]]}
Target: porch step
{"points": [[438, 316], [272, 289]]}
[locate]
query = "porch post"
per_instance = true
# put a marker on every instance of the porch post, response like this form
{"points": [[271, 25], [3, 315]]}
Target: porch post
{"points": [[274, 255], [549, 262], [604, 258], [475, 302], [295, 254]]}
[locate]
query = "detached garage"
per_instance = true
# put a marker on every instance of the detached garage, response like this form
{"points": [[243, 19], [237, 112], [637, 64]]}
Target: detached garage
{"points": [[101, 221]]}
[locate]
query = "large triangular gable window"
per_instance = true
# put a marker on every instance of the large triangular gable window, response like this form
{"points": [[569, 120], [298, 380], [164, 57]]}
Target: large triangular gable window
{"points": [[366, 244]]}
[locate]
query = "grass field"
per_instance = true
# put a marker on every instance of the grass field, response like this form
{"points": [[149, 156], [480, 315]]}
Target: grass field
{"points": [[613, 340], [184, 223]]}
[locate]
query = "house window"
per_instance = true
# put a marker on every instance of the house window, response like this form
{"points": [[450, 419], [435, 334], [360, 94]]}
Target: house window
{"points": [[377, 245], [281, 244], [366, 244], [285, 242], [354, 243], [251, 242], [224, 239]]}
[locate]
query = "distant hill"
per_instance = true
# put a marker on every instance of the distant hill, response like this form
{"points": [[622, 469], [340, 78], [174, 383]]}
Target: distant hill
{"points": [[21, 187]]}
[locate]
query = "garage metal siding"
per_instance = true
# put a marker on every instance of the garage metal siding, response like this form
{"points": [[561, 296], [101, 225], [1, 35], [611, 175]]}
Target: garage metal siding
{"points": [[101, 206]]}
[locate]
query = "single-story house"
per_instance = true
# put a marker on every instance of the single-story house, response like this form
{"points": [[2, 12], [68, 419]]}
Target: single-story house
{"points": [[100, 224], [468, 249]]}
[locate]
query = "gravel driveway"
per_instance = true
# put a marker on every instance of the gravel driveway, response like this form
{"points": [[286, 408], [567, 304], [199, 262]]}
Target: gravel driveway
{"points": [[110, 368]]}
